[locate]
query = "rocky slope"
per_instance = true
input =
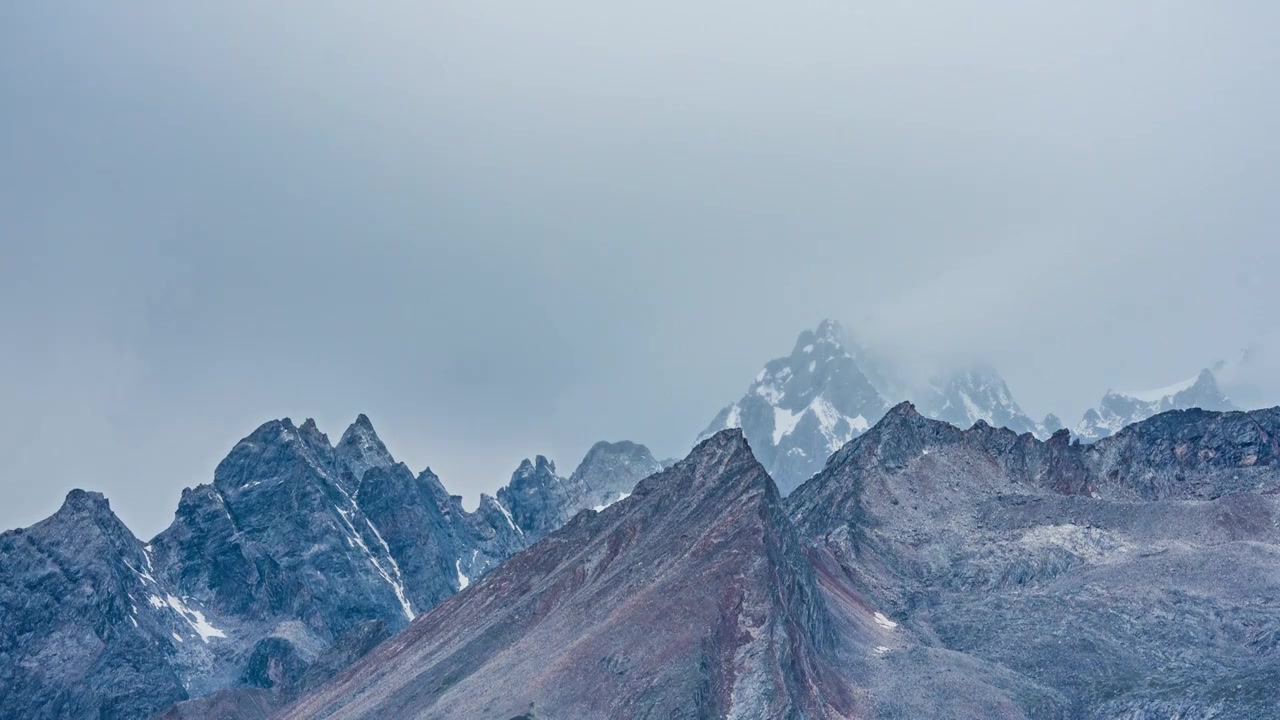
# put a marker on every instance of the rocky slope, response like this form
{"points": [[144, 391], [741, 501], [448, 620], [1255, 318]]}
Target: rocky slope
{"points": [[298, 557], [690, 598], [1080, 569], [1118, 409], [695, 597], [83, 632]]}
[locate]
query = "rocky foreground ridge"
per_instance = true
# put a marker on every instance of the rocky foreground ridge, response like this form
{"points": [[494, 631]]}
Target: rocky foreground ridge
{"points": [[926, 572]]}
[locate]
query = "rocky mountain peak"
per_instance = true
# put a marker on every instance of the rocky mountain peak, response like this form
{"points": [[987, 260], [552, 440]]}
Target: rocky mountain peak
{"points": [[610, 471], [84, 502], [360, 448], [87, 519], [1118, 409], [604, 450], [826, 341], [977, 393], [273, 449], [724, 455], [537, 498], [539, 465], [801, 408]]}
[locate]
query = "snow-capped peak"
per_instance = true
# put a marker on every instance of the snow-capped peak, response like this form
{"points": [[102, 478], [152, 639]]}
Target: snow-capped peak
{"points": [[802, 407], [978, 393], [1118, 409]]}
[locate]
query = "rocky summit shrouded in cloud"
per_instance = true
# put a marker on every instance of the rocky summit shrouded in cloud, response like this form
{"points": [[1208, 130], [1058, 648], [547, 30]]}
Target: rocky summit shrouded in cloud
{"points": [[829, 390], [1118, 409], [803, 407]]}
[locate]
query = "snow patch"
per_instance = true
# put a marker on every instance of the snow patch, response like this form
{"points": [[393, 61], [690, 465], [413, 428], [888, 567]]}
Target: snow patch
{"points": [[463, 580], [884, 622], [972, 410], [396, 587], [784, 422], [770, 393], [829, 420], [880, 650], [735, 417], [194, 618], [506, 514]]}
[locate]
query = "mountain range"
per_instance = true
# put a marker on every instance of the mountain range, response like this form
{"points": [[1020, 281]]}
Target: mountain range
{"points": [[818, 554], [925, 572], [300, 556], [1118, 409], [802, 407]]}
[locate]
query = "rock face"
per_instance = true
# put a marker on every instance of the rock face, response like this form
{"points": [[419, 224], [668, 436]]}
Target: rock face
{"points": [[925, 571], [298, 557], [1075, 568], [692, 597], [696, 597], [541, 501], [1118, 409], [79, 633], [610, 471], [803, 407]]}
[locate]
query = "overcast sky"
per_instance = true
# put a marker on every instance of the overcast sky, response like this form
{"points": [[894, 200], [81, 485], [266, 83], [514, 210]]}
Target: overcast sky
{"points": [[503, 229]]}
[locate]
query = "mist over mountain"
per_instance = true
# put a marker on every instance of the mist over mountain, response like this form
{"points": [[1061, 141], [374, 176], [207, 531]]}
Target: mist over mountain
{"points": [[1027, 469], [801, 408], [856, 595]]}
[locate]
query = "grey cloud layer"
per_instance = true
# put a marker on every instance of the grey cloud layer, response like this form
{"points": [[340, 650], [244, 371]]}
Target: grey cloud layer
{"points": [[504, 230]]}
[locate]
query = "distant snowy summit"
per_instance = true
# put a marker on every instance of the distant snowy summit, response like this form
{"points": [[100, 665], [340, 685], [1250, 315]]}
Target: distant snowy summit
{"points": [[979, 393], [1118, 409], [829, 390], [805, 406]]}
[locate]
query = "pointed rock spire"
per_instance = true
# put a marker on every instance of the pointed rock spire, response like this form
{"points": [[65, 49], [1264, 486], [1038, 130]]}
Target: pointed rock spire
{"points": [[360, 449]]}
